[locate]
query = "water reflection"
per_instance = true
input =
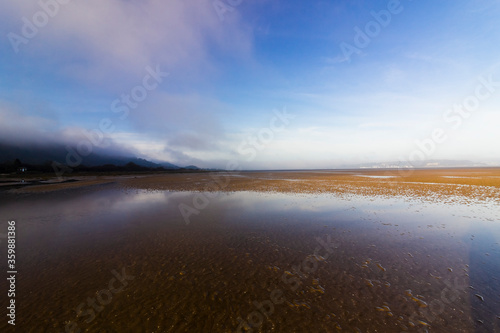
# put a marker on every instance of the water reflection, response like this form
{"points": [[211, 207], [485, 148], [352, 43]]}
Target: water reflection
{"points": [[400, 265]]}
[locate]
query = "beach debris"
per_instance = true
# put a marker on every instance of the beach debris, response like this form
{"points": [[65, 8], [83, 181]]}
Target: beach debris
{"points": [[480, 297], [381, 267], [318, 289], [383, 308], [422, 323], [330, 316], [417, 300], [299, 304], [318, 257]]}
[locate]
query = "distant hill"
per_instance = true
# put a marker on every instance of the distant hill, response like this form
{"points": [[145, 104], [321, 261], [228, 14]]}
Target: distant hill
{"points": [[191, 167], [167, 165], [38, 154]]}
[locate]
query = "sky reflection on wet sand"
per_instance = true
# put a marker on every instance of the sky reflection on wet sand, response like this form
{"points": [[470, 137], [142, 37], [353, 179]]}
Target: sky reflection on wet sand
{"points": [[400, 264]]}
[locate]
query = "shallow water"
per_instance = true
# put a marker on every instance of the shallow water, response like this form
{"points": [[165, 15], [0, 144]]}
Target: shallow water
{"points": [[267, 262]]}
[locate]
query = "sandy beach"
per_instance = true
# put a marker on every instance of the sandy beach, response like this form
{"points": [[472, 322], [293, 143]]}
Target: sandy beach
{"points": [[461, 185], [323, 251]]}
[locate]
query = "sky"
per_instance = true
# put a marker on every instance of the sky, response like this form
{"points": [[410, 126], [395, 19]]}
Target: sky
{"points": [[261, 84]]}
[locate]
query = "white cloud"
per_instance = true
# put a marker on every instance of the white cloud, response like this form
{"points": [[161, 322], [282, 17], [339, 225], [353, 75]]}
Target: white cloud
{"points": [[100, 41]]}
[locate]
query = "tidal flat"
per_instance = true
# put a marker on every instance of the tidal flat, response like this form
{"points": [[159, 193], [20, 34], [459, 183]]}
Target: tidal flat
{"points": [[301, 251]]}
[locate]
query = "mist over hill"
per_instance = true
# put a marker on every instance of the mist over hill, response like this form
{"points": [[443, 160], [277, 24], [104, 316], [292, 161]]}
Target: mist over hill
{"points": [[38, 154]]}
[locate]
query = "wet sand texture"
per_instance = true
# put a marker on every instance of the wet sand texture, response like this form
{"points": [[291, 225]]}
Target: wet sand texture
{"points": [[395, 264]]}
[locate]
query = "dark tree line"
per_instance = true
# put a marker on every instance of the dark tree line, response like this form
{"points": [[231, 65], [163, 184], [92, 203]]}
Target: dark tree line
{"points": [[17, 166]]}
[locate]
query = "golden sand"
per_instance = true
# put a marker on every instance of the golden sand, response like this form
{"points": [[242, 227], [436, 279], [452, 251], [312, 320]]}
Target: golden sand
{"points": [[385, 275], [474, 184], [477, 184]]}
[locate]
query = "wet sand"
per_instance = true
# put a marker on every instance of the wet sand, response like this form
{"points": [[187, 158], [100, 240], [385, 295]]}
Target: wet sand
{"points": [[436, 184], [406, 257], [448, 185]]}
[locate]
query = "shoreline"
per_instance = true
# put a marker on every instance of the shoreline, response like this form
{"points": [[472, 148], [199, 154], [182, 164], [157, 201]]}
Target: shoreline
{"points": [[463, 185]]}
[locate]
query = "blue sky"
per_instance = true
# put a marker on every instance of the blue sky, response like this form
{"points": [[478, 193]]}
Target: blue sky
{"points": [[422, 67]]}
